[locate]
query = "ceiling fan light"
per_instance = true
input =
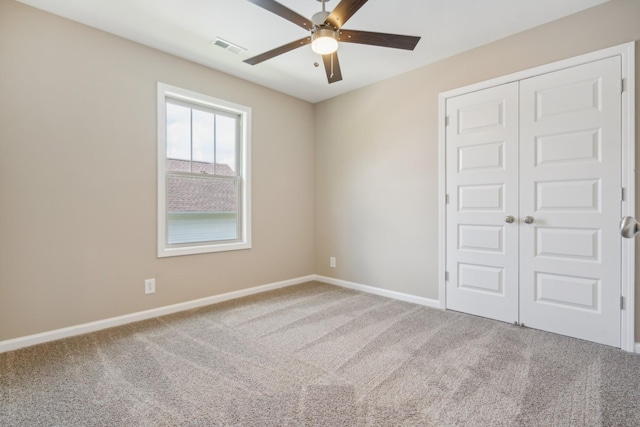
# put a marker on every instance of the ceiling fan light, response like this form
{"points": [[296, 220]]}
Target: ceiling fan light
{"points": [[324, 41]]}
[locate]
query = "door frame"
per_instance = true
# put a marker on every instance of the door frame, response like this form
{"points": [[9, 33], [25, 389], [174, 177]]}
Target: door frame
{"points": [[627, 53]]}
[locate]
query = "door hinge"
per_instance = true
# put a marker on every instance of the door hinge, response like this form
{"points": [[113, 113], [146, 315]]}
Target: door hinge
{"points": [[621, 85], [621, 303], [446, 276], [622, 194], [446, 121], [446, 199]]}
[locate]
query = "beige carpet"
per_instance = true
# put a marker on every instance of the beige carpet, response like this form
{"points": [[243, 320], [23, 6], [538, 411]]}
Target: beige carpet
{"points": [[316, 354]]}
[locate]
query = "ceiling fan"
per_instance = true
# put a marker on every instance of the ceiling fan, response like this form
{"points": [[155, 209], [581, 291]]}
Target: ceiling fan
{"points": [[326, 31]]}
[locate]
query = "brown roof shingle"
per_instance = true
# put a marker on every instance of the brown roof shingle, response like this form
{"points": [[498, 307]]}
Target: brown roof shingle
{"points": [[200, 194]]}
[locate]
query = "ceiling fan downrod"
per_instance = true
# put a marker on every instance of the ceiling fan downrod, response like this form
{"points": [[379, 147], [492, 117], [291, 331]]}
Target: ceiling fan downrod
{"points": [[318, 19]]}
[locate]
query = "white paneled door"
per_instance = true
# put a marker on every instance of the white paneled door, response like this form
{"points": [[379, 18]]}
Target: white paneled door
{"points": [[534, 188], [570, 185], [482, 187]]}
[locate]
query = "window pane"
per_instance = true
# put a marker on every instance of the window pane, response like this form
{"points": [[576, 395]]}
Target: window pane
{"points": [[178, 165], [201, 209], [226, 145], [178, 132], [203, 141]]}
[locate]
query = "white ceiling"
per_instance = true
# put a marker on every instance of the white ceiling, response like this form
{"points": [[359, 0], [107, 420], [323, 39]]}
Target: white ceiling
{"points": [[185, 28]]}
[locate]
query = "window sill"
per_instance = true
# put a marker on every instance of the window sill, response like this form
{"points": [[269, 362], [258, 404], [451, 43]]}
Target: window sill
{"points": [[164, 252]]}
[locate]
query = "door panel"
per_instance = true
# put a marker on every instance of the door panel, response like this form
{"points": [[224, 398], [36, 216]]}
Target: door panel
{"points": [[570, 184], [572, 244], [487, 156], [481, 238], [571, 196], [485, 198], [482, 186], [570, 292], [569, 148]]}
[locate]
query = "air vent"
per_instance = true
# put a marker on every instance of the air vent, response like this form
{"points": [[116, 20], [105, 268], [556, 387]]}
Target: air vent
{"points": [[227, 45]]}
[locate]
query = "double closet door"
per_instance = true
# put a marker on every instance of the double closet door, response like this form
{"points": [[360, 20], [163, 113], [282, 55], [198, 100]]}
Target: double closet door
{"points": [[533, 183]]}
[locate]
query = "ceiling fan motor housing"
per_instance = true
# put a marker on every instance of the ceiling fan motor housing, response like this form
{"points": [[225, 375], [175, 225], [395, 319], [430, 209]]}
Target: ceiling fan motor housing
{"points": [[319, 18]]}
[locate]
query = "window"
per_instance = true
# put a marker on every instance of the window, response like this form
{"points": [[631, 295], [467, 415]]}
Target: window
{"points": [[203, 173]]}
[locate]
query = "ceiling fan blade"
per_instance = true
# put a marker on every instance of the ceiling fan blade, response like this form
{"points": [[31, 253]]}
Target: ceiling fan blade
{"points": [[395, 41], [277, 51], [284, 12], [333, 70], [343, 11]]}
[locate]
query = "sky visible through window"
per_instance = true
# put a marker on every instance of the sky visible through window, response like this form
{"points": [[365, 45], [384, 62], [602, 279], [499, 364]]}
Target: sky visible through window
{"points": [[209, 137]]}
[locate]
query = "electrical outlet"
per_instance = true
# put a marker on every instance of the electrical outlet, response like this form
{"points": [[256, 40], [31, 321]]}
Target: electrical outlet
{"points": [[332, 262], [150, 286]]}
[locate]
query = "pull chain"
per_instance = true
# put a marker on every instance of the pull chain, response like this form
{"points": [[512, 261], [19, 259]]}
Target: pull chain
{"points": [[331, 76]]}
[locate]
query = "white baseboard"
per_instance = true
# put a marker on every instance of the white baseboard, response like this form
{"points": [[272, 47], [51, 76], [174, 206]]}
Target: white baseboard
{"points": [[29, 340], [379, 291], [637, 347]]}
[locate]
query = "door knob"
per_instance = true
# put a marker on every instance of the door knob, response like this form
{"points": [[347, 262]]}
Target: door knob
{"points": [[628, 227], [509, 219], [528, 220]]}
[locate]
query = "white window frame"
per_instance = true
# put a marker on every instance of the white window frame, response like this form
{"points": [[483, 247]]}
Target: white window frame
{"points": [[244, 154]]}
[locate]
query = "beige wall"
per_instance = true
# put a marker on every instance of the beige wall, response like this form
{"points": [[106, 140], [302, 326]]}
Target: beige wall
{"points": [[376, 151], [78, 178]]}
